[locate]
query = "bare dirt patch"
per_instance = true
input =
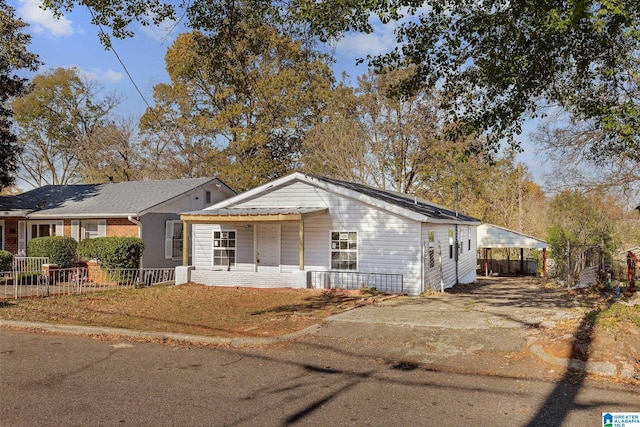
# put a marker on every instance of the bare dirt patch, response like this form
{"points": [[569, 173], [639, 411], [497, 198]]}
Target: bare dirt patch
{"points": [[194, 309]]}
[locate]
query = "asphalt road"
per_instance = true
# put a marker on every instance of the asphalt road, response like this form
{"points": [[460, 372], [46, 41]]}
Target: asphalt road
{"points": [[56, 380]]}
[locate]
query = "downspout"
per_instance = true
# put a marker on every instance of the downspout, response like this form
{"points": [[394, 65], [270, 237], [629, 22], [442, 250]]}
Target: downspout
{"points": [[139, 224]]}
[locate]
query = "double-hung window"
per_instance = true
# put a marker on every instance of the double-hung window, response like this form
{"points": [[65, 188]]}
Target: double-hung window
{"points": [[344, 250], [224, 248], [90, 229], [451, 243], [173, 240]]}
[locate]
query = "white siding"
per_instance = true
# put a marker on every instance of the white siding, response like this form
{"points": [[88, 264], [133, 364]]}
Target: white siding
{"points": [[202, 242], [303, 194], [387, 243], [468, 261]]}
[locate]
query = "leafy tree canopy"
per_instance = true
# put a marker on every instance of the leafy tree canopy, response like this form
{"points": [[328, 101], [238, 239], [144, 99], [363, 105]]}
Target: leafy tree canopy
{"points": [[238, 106], [499, 62], [13, 57], [57, 122]]}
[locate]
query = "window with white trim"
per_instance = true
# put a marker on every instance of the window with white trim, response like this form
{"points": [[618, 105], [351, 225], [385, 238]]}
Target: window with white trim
{"points": [[344, 250], [173, 238], [451, 243], [469, 236], [432, 249], [90, 230], [42, 229], [224, 248]]}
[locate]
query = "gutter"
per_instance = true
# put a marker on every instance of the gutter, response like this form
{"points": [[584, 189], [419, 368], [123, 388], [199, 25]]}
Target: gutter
{"points": [[136, 222], [139, 224]]}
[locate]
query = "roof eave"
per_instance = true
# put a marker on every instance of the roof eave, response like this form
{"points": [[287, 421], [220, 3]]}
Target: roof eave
{"points": [[82, 216], [14, 213]]}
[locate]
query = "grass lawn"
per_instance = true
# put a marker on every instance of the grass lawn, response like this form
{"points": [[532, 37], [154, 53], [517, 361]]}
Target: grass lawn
{"points": [[191, 309]]}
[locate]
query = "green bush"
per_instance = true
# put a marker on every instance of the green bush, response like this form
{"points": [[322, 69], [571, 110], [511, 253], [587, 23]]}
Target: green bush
{"points": [[113, 252], [6, 260], [60, 250]]}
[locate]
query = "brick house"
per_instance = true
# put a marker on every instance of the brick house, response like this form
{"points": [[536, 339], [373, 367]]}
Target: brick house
{"points": [[146, 209]]}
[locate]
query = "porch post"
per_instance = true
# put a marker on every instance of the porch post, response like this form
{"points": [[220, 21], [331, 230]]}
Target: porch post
{"points": [[185, 243], [301, 240]]}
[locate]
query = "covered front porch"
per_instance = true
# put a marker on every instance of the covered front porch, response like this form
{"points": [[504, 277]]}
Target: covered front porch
{"points": [[262, 247]]}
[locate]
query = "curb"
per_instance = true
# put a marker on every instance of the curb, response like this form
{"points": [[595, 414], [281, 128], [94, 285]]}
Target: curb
{"points": [[160, 336], [606, 369]]}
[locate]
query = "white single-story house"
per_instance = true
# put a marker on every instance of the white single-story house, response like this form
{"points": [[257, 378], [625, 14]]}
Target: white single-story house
{"points": [[312, 231]]}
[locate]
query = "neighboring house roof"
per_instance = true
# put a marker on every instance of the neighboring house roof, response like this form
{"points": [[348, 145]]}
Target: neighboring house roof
{"points": [[398, 203], [119, 199], [492, 236]]}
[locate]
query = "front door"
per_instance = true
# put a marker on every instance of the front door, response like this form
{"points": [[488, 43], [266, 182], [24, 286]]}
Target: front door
{"points": [[268, 248]]}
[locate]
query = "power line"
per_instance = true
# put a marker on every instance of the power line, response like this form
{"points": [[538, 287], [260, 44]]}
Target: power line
{"points": [[113, 49]]}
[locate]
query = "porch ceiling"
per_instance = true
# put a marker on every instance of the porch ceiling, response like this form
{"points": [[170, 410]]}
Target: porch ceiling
{"points": [[251, 214]]}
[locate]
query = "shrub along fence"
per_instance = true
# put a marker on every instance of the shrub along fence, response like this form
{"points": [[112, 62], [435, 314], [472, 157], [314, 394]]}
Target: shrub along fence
{"points": [[35, 278]]}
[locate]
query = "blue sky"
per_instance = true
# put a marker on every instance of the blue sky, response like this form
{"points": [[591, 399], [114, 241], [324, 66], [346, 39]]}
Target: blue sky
{"points": [[72, 41]]}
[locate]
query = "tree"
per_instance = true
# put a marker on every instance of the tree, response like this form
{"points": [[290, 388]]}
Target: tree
{"points": [[582, 220], [573, 151], [56, 123], [498, 62], [13, 56], [113, 154], [373, 136], [238, 105]]}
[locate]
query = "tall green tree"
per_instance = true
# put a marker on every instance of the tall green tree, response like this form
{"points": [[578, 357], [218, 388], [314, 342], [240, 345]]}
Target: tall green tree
{"points": [[14, 56], [239, 104], [499, 62], [56, 122]]}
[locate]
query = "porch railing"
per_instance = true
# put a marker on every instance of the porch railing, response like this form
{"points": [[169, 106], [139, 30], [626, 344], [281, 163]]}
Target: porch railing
{"points": [[391, 283]]}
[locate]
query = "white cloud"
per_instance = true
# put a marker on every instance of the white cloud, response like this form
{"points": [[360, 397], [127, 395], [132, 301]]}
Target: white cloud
{"points": [[104, 76], [160, 33], [43, 21], [357, 45]]}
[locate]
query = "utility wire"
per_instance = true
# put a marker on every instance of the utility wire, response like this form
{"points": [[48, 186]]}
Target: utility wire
{"points": [[113, 49]]}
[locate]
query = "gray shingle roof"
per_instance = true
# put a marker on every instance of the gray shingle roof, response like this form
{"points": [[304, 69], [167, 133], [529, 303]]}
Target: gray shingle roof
{"points": [[112, 199]]}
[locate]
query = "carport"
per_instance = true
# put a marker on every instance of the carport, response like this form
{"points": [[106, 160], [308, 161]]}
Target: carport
{"points": [[493, 237]]}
